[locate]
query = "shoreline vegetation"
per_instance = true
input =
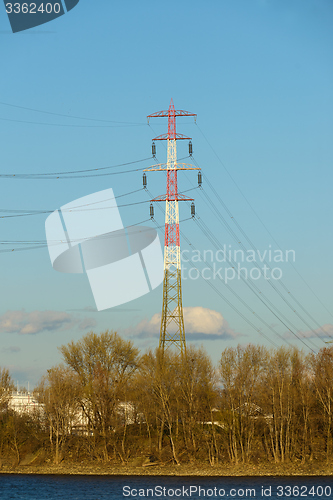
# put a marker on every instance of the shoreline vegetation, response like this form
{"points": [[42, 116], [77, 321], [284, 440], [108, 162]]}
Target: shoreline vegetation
{"points": [[195, 470], [110, 409]]}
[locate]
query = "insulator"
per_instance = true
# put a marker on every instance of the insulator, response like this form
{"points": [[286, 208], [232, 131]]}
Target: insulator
{"points": [[144, 180], [151, 211], [192, 209], [153, 149], [190, 148], [199, 178]]}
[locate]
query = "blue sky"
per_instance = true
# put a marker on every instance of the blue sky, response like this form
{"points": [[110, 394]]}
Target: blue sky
{"points": [[259, 76]]}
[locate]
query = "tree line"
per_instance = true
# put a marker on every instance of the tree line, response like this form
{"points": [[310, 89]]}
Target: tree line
{"points": [[108, 402]]}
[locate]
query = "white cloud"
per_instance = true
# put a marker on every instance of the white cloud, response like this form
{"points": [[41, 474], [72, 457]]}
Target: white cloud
{"points": [[326, 331], [202, 320], [34, 322], [200, 324], [87, 324]]}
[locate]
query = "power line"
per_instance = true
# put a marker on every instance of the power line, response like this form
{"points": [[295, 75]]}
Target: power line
{"points": [[254, 289], [45, 124], [280, 281], [47, 243], [27, 176], [74, 207], [257, 293], [44, 244], [232, 291], [64, 175], [76, 171], [219, 293], [262, 223], [28, 214], [233, 234], [68, 116], [78, 208]]}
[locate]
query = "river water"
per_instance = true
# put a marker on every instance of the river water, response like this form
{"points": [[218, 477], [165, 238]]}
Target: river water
{"points": [[47, 487]]}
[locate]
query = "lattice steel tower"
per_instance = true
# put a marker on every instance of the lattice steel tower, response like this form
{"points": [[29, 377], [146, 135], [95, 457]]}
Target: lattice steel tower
{"points": [[172, 330]]}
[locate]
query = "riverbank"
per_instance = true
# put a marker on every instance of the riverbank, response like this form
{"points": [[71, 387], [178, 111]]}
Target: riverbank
{"points": [[291, 469]]}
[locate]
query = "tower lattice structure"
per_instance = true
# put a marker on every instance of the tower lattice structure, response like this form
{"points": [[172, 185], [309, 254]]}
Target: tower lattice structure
{"points": [[172, 331]]}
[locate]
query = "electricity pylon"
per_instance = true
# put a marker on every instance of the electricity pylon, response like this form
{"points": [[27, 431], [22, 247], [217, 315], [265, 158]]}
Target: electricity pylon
{"points": [[172, 330]]}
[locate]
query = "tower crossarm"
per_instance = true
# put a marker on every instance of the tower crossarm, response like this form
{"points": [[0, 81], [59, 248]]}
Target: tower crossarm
{"points": [[165, 197], [164, 166], [166, 113], [165, 137]]}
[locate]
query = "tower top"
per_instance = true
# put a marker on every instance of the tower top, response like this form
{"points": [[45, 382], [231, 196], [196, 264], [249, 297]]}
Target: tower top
{"points": [[171, 114]]}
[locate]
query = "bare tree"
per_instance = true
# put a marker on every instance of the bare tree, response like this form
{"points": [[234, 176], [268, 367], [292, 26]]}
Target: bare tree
{"points": [[322, 371], [6, 387], [242, 370], [59, 392], [160, 373], [104, 363], [197, 397]]}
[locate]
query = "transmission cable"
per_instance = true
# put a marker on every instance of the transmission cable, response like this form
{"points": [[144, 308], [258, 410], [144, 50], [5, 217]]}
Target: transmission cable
{"points": [[269, 282], [272, 305], [262, 223], [79, 208], [255, 289], [234, 293], [234, 236], [219, 293], [68, 116], [264, 261], [56, 242], [76, 171], [45, 124], [52, 177]]}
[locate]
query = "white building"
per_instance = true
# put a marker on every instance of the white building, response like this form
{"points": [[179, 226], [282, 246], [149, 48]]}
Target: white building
{"points": [[24, 402]]}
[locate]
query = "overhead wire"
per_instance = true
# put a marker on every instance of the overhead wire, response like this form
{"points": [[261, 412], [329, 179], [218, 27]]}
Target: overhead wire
{"points": [[285, 340], [259, 294], [263, 224], [235, 237], [40, 212], [67, 115], [46, 124], [64, 175], [52, 177], [280, 281], [77, 208], [219, 293], [115, 173], [271, 306], [254, 287], [232, 291], [49, 243], [40, 174], [72, 207]]}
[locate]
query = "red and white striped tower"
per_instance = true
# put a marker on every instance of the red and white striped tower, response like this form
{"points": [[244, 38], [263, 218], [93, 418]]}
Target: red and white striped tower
{"points": [[172, 321]]}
